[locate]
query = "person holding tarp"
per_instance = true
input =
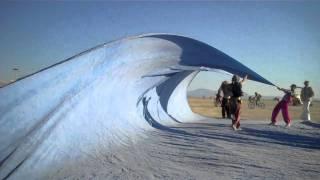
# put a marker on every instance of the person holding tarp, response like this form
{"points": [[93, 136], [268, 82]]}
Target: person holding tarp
{"points": [[236, 87], [283, 106]]}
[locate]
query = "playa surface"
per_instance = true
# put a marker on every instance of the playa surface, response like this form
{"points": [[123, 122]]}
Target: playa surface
{"points": [[210, 149]]}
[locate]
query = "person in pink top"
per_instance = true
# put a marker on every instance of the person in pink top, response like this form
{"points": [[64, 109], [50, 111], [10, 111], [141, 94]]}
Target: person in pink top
{"points": [[283, 106]]}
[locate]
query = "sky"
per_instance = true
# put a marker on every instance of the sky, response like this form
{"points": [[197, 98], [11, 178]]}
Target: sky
{"points": [[280, 40]]}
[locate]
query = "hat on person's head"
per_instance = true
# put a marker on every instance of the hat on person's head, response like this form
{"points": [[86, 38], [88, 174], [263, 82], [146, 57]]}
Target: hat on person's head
{"points": [[235, 78], [306, 82], [293, 86]]}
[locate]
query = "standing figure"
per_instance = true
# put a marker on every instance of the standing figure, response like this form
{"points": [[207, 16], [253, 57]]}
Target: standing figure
{"points": [[225, 89], [236, 100], [283, 106], [306, 97]]}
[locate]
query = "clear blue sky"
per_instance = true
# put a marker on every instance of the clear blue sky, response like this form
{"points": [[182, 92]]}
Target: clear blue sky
{"points": [[279, 40]]}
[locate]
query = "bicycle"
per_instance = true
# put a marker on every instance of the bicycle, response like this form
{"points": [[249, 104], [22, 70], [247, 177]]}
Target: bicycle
{"points": [[253, 104]]}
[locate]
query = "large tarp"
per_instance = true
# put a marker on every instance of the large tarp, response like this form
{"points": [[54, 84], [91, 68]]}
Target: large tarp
{"points": [[57, 119]]}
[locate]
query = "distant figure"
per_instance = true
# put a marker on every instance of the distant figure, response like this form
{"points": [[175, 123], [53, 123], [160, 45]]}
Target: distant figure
{"points": [[236, 100], [283, 106], [257, 98], [306, 97], [226, 93], [276, 99], [251, 99]]}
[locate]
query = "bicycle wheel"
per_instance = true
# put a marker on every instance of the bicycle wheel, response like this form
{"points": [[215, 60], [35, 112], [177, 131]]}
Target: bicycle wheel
{"points": [[251, 105], [262, 105]]}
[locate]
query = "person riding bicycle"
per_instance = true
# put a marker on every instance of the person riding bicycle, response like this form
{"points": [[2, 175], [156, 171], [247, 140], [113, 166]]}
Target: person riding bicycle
{"points": [[257, 98]]}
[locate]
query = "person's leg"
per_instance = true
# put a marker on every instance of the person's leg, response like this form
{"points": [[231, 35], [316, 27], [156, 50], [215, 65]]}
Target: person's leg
{"points": [[236, 122], [223, 106], [238, 115], [308, 111], [228, 109], [304, 111], [275, 112], [285, 113], [223, 112], [233, 107]]}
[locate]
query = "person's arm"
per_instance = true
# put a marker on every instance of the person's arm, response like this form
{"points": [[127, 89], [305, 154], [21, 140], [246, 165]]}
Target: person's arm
{"points": [[311, 92], [284, 90], [244, 79], [219, 91]]}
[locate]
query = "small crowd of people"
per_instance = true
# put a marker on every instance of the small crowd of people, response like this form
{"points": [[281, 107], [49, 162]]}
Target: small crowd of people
{"points": [[229, 94]]}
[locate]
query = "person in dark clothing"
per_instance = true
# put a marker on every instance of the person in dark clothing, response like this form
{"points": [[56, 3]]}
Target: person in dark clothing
{"points": [[226, 93], [236, 100]]}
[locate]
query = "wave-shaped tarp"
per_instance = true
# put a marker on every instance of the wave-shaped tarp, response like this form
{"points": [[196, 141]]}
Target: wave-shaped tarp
{"points": [[101, 99]]}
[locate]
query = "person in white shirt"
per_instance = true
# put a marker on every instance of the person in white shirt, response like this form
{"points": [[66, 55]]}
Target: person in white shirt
{"points": [[306, 97]]}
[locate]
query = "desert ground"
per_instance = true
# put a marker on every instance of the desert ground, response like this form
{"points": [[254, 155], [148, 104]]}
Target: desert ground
{"points": [[206, 107], [210, 149]]}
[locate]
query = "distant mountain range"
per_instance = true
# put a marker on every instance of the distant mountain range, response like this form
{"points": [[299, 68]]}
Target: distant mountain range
{"points": [[208, 93], [202, 93], [2, 83]]}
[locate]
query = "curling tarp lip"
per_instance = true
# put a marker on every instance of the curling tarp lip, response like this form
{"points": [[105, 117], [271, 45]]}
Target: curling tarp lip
{"points": [[159, 35]]}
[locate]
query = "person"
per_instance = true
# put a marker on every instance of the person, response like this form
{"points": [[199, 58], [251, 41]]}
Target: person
{"points": [[236, 87], [257, 97], [306, 97], [283, 106], [225, 89]]}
